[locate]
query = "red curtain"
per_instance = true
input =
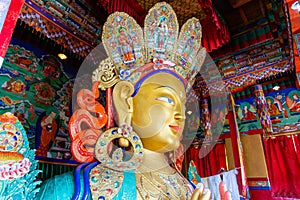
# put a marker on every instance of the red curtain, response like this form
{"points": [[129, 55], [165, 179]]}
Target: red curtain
{"points": [[210, 164], [131, 7], [215, 32], [283, 162]]}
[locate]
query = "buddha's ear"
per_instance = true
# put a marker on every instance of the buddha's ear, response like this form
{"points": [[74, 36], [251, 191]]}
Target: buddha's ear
{"points": [[123, 101]]}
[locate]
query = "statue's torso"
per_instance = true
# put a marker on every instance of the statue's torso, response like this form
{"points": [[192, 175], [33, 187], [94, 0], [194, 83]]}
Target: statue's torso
{"points": [[129, 185]]}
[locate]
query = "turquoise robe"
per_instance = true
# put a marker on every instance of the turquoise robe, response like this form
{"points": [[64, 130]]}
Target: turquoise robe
{"points": [[62, 187]]}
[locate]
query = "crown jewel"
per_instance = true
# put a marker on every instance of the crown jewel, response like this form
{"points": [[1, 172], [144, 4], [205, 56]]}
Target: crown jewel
{"points": [[134, 53]]}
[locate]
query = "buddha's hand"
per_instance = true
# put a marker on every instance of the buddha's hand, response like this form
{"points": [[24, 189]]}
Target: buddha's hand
{"points": [[224, 193], [199, 194]]}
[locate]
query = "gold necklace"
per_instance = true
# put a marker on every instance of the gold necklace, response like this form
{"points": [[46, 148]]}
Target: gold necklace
{"points": [[183, 179], [173, 180], [149, 191], [146, 196], [177, 177], [169, 181], [158, 188]]}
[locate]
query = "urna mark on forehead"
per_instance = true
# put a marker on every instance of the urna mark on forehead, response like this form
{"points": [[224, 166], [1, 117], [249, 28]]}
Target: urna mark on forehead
{"points": [[164, 78]]}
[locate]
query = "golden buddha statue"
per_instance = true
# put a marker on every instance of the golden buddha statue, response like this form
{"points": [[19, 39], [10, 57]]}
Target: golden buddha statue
{"points": [[149, 96]]}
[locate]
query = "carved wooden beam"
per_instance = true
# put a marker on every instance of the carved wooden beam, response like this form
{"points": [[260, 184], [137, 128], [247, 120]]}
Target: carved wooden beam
{"points": [[238, 3], [262, 8], [243, 15]]}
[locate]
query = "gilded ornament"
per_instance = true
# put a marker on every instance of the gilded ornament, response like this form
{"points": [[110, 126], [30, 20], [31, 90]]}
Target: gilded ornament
{"points": [[106, 74]]}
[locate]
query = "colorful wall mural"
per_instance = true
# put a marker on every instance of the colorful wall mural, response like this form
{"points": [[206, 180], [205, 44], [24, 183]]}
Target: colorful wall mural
{"points": [[283, 107], [39, 92], [207, 118]]}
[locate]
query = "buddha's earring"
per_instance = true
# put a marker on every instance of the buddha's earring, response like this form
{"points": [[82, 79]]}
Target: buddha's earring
{"points": [[119, 148]]}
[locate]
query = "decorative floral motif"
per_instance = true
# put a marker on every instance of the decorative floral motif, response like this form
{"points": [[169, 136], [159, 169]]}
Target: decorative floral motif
{"points": [[125, 129], [124, 74], [163, 64], [11, 139], [44, 93], [14, 170], [7, 117], [17, 164]]}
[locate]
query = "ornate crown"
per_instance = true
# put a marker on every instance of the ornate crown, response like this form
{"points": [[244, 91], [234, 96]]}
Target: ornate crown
{"points": [[134, 53]]}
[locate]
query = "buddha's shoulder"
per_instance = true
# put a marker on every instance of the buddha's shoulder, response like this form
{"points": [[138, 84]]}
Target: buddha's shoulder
{"points": [[59, 187]]}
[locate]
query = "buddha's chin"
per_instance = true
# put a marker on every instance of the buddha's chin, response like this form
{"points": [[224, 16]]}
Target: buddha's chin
{"points": [[171, 147], [176, 145]]}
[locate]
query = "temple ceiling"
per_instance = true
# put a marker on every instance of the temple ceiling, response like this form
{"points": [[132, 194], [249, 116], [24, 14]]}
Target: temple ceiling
{"points": [[249, 40]]}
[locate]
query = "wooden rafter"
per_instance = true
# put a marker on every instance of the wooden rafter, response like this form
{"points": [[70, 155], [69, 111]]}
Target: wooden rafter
{"points": [[243, 15], [238, 3]]}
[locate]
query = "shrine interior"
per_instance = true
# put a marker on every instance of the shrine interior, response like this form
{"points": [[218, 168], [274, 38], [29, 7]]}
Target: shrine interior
{"points": [[252, 56]]}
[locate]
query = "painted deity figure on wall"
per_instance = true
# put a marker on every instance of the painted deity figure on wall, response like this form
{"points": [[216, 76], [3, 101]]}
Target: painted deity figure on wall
{"points": [[247, 114], [294, 106], [49, 128], [137, 159], [14, 86], [51, 67], [272, 108]]}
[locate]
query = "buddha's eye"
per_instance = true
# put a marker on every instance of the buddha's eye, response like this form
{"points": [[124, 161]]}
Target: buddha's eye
{"points": [[166, 99]]}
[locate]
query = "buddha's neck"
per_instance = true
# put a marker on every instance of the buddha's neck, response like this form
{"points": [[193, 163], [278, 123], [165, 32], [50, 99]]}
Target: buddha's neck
{"points": [[153, 161]]}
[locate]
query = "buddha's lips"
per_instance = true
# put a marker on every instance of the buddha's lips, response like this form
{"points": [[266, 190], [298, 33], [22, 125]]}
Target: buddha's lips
{"points": [[176, 128]]}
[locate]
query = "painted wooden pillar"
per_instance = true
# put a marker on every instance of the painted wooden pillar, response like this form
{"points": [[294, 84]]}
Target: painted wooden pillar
{"points": [[254, 157], [206, 117], [237, 149], [9, 12], [262, 110]]}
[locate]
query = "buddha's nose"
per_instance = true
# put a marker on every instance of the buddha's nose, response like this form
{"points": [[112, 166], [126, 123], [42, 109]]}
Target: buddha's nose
{"points": [[179, 116]]}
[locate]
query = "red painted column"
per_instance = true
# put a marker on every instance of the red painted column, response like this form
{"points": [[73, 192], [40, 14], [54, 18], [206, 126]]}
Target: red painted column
{"points": [[237, 149], [9, 13]]}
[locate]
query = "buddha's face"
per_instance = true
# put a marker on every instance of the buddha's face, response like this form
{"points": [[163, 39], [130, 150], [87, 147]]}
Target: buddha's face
{"points": [[159, 112]]}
